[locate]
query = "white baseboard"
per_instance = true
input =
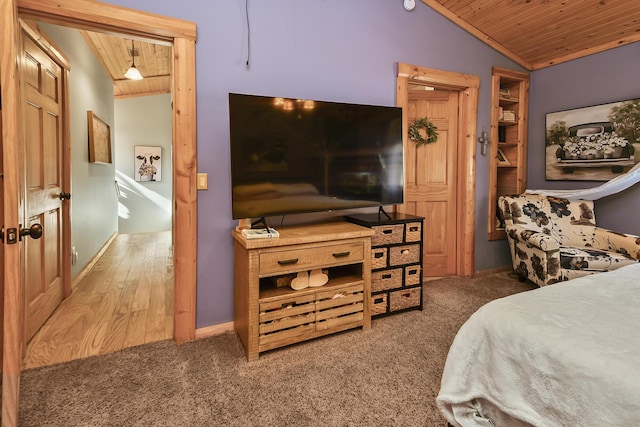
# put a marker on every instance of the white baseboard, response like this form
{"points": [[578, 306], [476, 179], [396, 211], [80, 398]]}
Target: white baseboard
{"points": [[87, 268]]}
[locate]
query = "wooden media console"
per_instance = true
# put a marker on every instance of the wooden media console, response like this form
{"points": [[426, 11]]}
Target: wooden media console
{"points": [[269, 314]]}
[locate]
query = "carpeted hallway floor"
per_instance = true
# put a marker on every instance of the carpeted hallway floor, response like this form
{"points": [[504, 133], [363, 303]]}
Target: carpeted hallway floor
{"points": [[388, 375]]}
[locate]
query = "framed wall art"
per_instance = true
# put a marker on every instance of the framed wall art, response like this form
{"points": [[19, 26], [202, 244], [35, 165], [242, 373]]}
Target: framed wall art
{"points": [[148, 163], [502, 158], [595, 143], [99, 139]]}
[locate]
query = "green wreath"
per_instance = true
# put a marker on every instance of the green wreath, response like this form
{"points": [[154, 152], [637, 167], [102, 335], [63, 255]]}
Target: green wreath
{"points": [[414, 132]]}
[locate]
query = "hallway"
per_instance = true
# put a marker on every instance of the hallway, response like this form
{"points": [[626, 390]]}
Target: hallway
{"points": [[124, 301]]}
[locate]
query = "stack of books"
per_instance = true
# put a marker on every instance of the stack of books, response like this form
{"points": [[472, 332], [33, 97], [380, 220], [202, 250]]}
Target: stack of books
{"points": [[260, 233], [508, 116]]}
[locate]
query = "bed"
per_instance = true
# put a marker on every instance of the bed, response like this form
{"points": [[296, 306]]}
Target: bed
{"points": [[561, 355]]}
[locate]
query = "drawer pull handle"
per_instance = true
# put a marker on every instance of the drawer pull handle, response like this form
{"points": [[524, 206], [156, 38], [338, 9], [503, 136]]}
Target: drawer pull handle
{"points": [[412, 272], [386, 276], [413, 229], [387, 231], [378, 255], [404, 251], [287, 261], [378, 300], [341, 254], [407, 295]]}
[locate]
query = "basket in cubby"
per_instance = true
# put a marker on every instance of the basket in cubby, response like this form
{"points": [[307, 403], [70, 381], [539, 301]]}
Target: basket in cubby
{"points": [[378, 257], [386, 279], [405, 298], [406, 254], [387, 234]]}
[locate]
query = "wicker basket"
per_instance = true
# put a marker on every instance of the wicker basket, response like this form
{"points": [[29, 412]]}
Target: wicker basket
{"points": [[378, 258], [285, 280], [413, 232], [412, 275], [378, 304], [387, 234], [406, 298], [406, 254], [386, 279]]}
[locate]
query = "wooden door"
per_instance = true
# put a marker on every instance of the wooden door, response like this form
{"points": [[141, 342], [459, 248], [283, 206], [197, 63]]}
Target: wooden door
{"points": [[430, 174], [43, 123]]}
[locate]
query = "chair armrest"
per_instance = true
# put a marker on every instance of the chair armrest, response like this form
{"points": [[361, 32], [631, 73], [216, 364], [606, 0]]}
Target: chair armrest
{"points": [[537, 239], [627, 244]]}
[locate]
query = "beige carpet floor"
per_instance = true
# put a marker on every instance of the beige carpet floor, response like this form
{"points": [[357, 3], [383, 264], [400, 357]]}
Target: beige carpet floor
{"points": [[386, 376]]}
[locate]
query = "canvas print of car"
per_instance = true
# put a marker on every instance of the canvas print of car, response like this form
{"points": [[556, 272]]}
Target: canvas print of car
{"points": [[594, 145]]}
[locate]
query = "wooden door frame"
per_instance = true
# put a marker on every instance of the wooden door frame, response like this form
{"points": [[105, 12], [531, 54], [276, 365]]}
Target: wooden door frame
{"points": [[467, 87], [96, 16]]}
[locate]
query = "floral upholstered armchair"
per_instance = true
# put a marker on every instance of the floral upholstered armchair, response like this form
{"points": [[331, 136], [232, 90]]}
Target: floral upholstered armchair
{"points": [[553, 239]]}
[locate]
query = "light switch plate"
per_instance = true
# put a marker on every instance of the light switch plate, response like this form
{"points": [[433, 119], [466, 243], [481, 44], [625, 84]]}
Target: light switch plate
{"points": [[202, 181]]}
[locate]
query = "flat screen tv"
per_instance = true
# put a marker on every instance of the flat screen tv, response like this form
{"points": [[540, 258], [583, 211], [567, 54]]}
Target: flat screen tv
{"points": [[299, 156]]}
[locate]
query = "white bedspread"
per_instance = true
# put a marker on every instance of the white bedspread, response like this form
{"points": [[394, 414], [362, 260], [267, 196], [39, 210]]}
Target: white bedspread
{"points": [[563, 355]]}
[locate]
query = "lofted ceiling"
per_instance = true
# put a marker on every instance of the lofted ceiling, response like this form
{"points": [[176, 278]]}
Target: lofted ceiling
{"points": [[533, 33], [153, 60], [540, 33]]}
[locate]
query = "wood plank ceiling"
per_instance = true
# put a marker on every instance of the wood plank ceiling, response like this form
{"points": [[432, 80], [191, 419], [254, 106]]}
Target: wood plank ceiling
{"points": [[540, 33], [533, 33], [153, 60]]}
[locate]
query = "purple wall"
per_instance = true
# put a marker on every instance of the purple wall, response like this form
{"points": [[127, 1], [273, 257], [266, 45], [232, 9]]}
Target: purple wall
{"points": [[597, 79], [330, 50]]}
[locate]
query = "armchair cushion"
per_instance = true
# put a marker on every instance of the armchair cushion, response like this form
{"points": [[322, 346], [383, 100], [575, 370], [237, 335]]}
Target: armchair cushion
{"points": [[590, 259], [572, 223]]}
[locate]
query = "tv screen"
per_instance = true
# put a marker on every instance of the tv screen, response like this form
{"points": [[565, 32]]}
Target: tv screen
{"points": [[298, 156]]}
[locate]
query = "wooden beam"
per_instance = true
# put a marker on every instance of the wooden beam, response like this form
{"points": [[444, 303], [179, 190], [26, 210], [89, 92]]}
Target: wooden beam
{"points": [[440, 78], [82, 14], [185, 194], [467, 180]]}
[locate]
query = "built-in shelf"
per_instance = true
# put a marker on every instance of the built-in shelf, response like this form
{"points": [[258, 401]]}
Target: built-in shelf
{"points": [[510, 91]]}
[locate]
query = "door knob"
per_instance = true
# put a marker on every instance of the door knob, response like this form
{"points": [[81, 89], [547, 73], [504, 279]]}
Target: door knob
{"points": [[35, 231], [65, 196]]}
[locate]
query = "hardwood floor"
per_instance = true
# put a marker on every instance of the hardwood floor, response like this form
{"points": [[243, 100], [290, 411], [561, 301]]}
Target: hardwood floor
{"points": [[125, 300]]}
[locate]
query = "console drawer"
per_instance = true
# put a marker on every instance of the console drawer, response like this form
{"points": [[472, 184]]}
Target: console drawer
{"points": [[279, 262]]}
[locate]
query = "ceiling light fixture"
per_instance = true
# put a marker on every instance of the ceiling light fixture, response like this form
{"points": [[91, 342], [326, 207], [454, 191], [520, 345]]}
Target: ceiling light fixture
{"points": [[409, 5], [133, 73]]}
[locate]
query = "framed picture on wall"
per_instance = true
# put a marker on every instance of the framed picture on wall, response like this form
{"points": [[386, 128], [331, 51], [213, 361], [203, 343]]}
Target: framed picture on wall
{"points": [[99, 139], [502, 158], [596, 143], [148, 163]]}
